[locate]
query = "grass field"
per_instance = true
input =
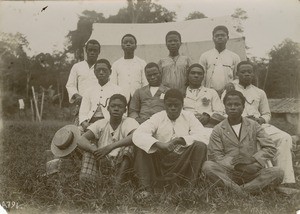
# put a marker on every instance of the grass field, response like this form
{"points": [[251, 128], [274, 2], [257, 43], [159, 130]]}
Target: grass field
{"points": [[23, 163]]}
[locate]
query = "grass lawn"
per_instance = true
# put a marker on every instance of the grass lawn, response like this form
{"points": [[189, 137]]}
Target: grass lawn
{"points": [[23, 163]]}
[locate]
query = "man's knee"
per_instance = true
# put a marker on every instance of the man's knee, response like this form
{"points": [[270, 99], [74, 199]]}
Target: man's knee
{"points": [[209, 167], [200, 146]]}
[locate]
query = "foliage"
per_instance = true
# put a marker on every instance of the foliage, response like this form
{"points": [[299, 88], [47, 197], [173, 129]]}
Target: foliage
{"points": [[283, 78], [141, 11], [22, 167], [239, 15], [260, 69], [195, 15]]}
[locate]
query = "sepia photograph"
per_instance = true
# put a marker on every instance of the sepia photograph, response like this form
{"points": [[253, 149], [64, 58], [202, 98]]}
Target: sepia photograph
{"points": [[150, 106]]}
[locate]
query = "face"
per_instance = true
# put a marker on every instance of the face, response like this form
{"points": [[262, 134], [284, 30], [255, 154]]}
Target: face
{"points": [[173, 42], [173, 108], [196, 76], [102, 73], [220, 37], [245, 74], [234, 107], [153, 76], [128, 44], [116, 108], [92, 51]]}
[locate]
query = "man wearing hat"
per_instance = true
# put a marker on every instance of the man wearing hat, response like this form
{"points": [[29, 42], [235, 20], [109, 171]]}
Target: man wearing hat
{"points": [[203, 102], [114, 140]]}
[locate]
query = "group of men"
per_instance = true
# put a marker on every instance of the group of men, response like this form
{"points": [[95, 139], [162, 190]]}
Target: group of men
{"points": [[165, 122]]}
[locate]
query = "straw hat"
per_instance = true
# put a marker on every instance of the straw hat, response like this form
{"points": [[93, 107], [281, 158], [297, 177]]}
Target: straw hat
{"points": [[65, 140]]}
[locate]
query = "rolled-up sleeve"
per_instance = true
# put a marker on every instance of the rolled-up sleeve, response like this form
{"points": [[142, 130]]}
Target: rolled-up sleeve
{"points": [[72, 82]]}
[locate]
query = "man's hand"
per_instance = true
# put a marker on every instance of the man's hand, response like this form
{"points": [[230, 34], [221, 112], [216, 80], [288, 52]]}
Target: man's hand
{"points": [[242, 159], [84, 125], [77, 99], [171, 145], [250, 168], [260, 120], [203, 118], [100, 153]]}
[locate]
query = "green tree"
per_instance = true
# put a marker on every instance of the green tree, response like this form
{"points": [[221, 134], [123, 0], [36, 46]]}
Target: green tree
{"points": [[141, 11], [195, 15], [283, 78], [240, 16]]}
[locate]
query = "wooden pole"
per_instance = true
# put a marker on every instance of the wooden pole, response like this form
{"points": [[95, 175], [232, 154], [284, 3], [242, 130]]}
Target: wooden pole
{"points": [[32, 110], [35, 104], [42, 105]]}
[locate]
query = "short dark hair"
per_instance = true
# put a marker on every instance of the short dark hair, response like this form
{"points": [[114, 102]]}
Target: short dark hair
{"points": [[105, 61], [193, 66], [129, 35], [173, 32], [151, 65], [234, 93], [243, 63], [174, 93], [220, 27], [118, 96], [94, 42]]}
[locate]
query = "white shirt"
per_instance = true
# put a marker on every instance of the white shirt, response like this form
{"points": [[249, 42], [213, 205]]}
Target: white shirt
{"points": [[153, 90], [106, 135], [236, 128], [129, 74], [256, 101], [160, 128], [95, 97], [81, 78], [220, 68], [204, 100]]}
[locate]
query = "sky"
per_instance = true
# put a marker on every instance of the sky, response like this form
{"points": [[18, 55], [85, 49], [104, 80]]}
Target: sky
{"points": [[269, 21]]}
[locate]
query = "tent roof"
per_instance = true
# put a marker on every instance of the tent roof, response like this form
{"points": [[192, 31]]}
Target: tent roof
{"points": [[191, 31]]}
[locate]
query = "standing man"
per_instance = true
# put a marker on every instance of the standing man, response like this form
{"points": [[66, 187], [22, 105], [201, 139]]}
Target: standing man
{"points": [[238, 150], [174, 66], [149, 99], [219, 63], [128, 71], [169, 146], [82, 76], [257, 108]]}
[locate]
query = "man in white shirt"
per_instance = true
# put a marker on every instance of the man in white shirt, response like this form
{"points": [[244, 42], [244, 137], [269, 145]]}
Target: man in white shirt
{"points": [[128, 71], [95, 100], [114, 143], [203, 102], [169, 147], [219, 63], [257, 108], [82, 76]]}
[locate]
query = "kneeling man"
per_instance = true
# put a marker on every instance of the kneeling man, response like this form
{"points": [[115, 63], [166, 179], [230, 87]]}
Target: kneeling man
{"points": [[239, 148], [114, 142], [169, 146]]}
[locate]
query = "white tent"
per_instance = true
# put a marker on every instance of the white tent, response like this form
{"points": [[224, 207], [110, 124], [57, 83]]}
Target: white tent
{"points": [[196, 38]]}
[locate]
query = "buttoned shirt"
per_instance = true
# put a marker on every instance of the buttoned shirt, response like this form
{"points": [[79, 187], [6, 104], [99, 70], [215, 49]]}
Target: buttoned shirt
{"points": [[81, 79], [129, 74], [174, 71], [219, 68], [203, 100], [256, 101], [96, 97], [253, 141], [145, 104], [106, 135], [159, 128]]}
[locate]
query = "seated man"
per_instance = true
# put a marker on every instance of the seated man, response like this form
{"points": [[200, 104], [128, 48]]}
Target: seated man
{"points": [[95, 100], [168, 146], [203, 102], [148, 100], [114, 139], [257, 108], [238, 150]]}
